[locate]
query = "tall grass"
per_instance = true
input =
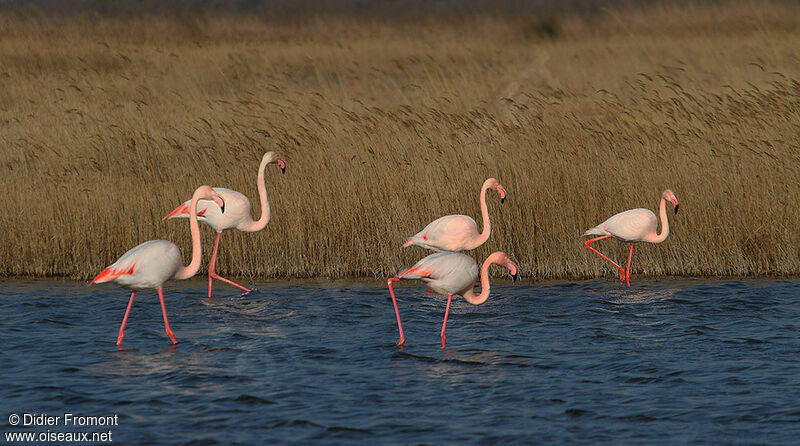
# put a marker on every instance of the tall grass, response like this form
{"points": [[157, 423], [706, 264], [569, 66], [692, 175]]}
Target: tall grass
{"points": [[107, 125]]}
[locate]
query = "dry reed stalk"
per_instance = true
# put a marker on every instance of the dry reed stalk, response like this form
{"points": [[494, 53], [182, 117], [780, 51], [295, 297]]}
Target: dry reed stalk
{"points": [[106, 126]]}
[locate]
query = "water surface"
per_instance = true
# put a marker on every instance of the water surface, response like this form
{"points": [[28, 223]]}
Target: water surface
{"points": [[673, 361]]}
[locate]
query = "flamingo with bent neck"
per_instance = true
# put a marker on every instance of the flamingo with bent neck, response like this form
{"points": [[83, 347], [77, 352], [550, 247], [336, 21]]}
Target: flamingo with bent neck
{"points": [[632, 226], [236, 215], [154, 262], [458, 232], [449, 273]]}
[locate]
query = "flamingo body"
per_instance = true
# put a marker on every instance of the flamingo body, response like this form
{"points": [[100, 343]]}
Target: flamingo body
{"points": [[446, 273], [448, 233], [634, 225], [148, 265], [457, 232]]}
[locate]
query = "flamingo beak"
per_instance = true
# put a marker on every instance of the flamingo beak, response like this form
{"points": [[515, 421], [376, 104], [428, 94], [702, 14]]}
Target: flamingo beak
{"points": [[220, 202], [512, 270], [501, 190], [675, 205], [282, 165]]}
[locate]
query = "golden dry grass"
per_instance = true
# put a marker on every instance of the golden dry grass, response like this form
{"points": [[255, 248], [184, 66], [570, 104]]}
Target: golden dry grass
{"points": [[107, 125]]}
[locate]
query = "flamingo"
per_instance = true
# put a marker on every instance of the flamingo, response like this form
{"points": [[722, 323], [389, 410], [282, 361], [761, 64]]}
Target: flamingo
{"points": [[457, 232], [449, 273], [237, 215], [154, 262], [632, 226]]}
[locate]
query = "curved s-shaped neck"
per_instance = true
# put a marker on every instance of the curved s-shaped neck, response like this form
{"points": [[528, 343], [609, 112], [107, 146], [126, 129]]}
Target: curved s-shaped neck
{"points": [[662, 212], [259, 224], [185, 272], [487, 227], [470, 295]]}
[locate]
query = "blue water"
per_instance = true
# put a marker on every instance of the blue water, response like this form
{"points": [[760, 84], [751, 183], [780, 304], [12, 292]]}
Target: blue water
{"points": [[661, 362]]}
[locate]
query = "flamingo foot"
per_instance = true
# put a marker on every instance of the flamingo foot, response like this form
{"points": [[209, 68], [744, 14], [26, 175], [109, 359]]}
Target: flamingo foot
{"points": [[443, 339], [171, 336], [229, 282], [120, 336], [401, 342]]}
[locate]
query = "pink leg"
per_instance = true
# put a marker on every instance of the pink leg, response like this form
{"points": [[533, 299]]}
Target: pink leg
{"points": [[396, 311], [446, 312], [212, 273], [166, 321], [628, 271], [587, 244], [125, 320]]}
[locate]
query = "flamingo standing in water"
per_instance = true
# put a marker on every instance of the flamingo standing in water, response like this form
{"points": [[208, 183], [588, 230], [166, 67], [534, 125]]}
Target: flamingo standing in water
{"points": [[631, 226], [450, 273], [458, 232], [154, 262], [236, 215]]}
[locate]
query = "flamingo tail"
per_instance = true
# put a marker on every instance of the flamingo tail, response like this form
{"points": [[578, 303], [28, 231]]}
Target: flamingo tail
{"points": [[597, 230], [180, 211], [109, 274]]}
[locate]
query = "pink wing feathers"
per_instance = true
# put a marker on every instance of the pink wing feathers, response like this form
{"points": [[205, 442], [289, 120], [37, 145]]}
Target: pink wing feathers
{"points": [[124, 266], [183, 211]]}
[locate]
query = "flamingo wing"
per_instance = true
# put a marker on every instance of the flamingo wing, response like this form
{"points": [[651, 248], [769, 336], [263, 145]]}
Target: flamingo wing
{"points": [[148, 265]]}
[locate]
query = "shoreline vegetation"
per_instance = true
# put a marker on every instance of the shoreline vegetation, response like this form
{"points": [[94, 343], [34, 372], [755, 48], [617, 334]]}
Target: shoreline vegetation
{"points": [[107, 124]]}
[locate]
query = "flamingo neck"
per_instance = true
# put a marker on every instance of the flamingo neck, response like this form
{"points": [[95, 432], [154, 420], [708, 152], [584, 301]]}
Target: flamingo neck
{"points": [[259, 224], [470, 296], [487, 227], [662, 212], [185, 272]]}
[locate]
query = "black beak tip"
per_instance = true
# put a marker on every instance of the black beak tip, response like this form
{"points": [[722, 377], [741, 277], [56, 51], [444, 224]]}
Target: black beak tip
{"points": [[283, 170], [514, 277], [676, 209], [502, 200], [222, 208]]}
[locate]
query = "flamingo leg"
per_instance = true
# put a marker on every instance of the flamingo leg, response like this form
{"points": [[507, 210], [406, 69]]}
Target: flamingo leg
{"points": [[212, 273], [125, 319], [166, 321], [628, 270], [587, 245], [396, 311], [444, 323]]}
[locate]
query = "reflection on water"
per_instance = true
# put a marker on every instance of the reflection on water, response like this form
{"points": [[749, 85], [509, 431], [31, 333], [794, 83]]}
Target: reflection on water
{"points": [[684, 360]]}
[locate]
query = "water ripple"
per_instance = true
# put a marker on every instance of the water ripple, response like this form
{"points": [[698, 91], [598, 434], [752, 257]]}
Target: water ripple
{"points": [[670, 361]]}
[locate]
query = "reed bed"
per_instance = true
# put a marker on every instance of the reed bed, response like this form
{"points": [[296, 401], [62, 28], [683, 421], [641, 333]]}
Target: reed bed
{"points": [[106, 125]]}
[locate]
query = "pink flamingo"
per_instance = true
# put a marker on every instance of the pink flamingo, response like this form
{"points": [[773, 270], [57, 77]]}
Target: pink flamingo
{"points": [[449, 273], [236, 215], [631, 226], [457, 232], [154, 262]]}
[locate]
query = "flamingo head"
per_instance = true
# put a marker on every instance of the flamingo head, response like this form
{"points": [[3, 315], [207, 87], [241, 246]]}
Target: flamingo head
{"points": [[271, 157], [670, 196], [501, 258], [494, 184], [207, 193]]}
